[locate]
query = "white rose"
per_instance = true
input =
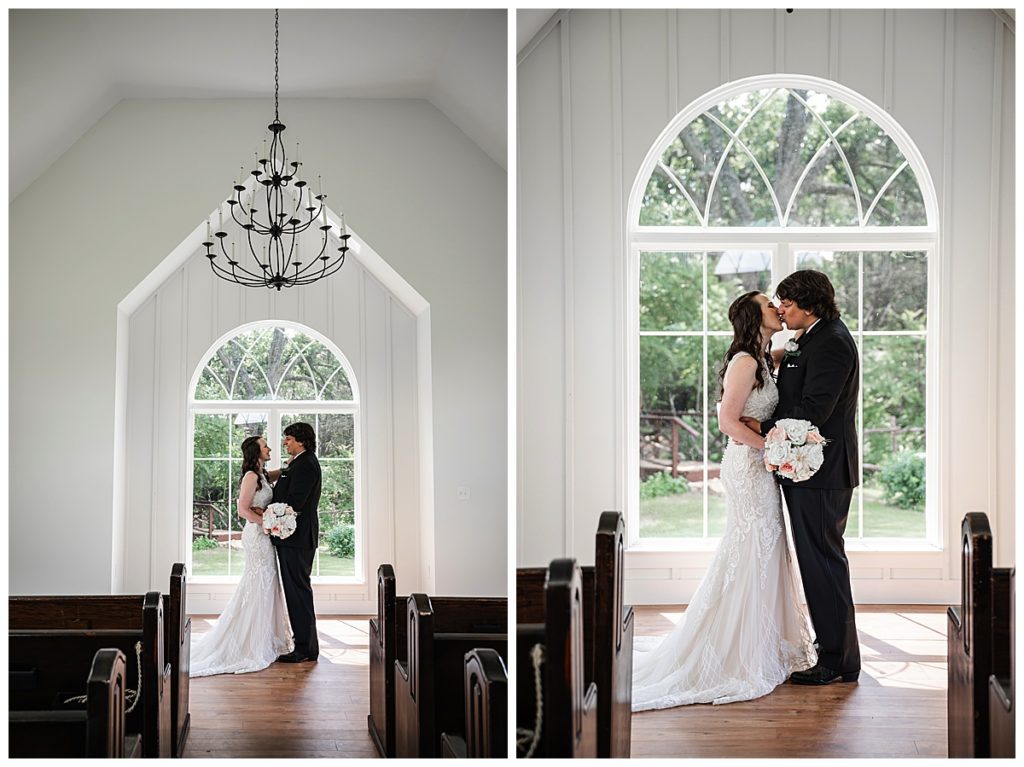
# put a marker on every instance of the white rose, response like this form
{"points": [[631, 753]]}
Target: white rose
{"points": [[815, 456], [777, 453], [796, 429], [791, 346]]}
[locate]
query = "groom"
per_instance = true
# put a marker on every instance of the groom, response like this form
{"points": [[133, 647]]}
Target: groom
{"points": [[299, 487], [819, 382]]}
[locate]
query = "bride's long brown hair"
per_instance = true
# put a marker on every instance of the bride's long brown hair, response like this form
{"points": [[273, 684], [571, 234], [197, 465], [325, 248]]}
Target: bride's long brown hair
{"points": [[745, 316], [251, 452]]}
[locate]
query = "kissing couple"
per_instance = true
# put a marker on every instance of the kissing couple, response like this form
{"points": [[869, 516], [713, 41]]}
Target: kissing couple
{"points": [[253, 631], [745, 632]]}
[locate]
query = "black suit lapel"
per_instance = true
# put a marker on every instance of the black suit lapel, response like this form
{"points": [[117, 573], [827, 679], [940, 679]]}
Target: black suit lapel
{"points": [[809, 337]]}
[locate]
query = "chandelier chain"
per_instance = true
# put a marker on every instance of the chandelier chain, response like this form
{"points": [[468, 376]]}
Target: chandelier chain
{"points": [[272, 225], [277, 82]]}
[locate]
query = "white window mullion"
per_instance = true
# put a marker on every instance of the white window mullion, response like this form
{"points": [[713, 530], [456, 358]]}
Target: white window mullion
{"points": [[860, 390], [704, 387]]}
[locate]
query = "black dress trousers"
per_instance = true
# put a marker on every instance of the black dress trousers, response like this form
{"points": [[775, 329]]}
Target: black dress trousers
{"points": [[818, 517], [296, 568]]}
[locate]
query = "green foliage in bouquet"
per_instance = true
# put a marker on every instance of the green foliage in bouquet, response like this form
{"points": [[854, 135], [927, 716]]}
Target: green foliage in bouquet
{"points": [[902, 476], [203, 544], [662, 484], [341, 541]]}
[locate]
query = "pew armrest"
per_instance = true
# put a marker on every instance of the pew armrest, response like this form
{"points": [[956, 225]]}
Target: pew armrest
{"points": [[953, 613], [1000, 687], [453, 747], [402, 671]]}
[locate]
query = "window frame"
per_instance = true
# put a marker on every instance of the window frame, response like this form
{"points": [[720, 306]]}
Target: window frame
{"points": [[275, 409], [783, 243]]}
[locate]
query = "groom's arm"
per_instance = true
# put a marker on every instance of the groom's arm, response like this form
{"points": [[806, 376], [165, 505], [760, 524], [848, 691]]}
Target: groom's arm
{"points": [[302, 480], [823, 385]]}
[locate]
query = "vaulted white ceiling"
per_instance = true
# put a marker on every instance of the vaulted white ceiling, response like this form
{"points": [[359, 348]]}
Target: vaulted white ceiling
{"points": [[70, 67]]}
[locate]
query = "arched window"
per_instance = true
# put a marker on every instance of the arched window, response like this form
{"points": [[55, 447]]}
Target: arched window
{"points": [[256, 381], [750, 183]]}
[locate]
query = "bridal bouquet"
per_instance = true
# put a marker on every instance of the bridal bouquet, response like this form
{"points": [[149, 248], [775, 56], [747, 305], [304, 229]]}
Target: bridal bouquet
{"points": [[794, 449], [279, 520]]}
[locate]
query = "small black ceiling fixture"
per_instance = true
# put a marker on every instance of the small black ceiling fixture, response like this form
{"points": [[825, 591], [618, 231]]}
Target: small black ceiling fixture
{"points": [[280, 262]]}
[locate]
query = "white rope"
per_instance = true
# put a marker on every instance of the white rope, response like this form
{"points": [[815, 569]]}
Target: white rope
{"points": [[524, 736], [132, 695]]}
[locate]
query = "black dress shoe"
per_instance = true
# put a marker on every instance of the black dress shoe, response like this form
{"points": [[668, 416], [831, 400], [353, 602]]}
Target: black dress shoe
{"points": [[294, 657], [822, 675]]}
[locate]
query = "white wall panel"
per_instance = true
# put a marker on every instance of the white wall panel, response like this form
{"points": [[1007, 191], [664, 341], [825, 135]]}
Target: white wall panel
{"points": [[540, 313], [629, 73], [752, 43], [405, 470], [1006, 298], [139, 477], [860, 56], [645, 83], [594, 217], [806, 40], [698, 57]]}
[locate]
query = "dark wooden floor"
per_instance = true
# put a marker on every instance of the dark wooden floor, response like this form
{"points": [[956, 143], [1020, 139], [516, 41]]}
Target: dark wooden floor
{"points": [[897, 709], [288, 710]]}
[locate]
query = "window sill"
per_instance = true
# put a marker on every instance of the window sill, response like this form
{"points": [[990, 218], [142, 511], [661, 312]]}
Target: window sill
{"points": [[232, 580], [693, 545]]}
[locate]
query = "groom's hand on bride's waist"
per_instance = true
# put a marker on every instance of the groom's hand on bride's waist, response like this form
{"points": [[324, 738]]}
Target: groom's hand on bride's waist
{"points": [[751, 423]]}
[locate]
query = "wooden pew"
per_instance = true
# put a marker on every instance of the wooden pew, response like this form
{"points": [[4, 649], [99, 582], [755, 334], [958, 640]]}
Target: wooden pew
{"points": [[485, 684], [117, 612], [568, 703], [608, 631], [388, 643], [970, 640], [59, 657], [429, 690], [96, 730], [1001, 684]]}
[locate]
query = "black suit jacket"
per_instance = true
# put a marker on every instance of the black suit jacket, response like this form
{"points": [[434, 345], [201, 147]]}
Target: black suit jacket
{"points": [[821, 386], [299, 487]]}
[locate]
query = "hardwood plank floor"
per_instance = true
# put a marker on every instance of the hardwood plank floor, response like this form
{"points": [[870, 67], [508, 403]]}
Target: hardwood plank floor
{"points": [[897, 709], [288, 710]]}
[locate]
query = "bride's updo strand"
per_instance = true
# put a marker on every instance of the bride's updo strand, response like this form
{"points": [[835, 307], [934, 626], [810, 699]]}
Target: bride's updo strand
{"points": [[745, 314], [251, 453]]}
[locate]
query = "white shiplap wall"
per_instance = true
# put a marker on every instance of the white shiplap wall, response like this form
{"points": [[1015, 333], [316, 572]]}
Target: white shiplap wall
{"points": [[169, 335], [596, 88]]}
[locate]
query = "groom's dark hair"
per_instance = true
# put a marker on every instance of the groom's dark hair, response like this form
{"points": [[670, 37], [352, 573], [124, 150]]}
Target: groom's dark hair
{"points": [[811, 290], [302, 432]]}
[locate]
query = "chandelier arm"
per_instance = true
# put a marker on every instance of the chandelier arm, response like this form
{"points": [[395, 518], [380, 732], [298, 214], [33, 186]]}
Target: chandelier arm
{"points": [[220, 271], [328, 269], [237, 265], [312, 262], [252, 248]]}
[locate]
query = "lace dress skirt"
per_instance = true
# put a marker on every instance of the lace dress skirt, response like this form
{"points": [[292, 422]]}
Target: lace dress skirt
{"points": [[253, 629], [745, 631]]}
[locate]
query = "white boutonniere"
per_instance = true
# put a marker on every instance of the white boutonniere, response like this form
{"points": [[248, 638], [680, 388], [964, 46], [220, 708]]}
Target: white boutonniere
{"points": [[792, 349]]}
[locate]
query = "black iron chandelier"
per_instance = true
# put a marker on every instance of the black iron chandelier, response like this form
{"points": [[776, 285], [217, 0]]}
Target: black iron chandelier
{"points": [[268, 213]]}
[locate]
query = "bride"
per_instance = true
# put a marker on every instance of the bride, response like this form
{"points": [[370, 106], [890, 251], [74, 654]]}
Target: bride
{"points": [[253, 629], [744, 632]]}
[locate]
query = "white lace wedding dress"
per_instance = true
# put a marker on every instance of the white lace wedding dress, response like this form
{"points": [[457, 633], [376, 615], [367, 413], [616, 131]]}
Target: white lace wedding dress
{"points": [[744, 632], [253, 629]]}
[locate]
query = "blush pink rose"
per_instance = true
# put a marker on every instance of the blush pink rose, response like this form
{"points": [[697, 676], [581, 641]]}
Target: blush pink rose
{"points": [[786, 468], [777, 434], [815, 438]]}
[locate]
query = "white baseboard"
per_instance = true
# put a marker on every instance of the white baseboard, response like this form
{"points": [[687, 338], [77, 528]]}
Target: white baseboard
{"points": [[212, 598], [663, 591]]}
